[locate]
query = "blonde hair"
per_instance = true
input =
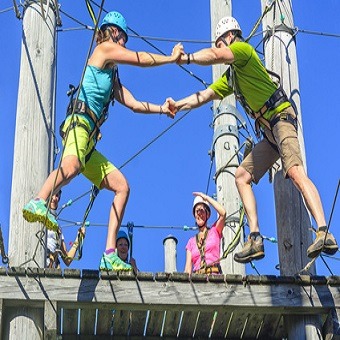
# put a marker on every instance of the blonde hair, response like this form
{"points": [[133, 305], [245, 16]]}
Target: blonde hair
{"points": [[104, 35]]}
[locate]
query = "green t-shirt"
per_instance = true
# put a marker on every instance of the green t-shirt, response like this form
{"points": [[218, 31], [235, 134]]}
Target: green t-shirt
{"points": [[252, 79]]}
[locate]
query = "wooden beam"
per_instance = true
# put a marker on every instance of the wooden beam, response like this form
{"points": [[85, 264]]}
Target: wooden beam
{"points": [[50, 320], [299, 295], [331, 328]]}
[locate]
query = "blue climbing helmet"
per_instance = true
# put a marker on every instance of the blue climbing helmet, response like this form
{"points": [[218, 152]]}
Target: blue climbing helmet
{"points": [[122, 234], [115, 19]]}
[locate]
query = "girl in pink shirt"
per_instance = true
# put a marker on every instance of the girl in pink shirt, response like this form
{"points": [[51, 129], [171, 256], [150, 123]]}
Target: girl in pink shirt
{"points": [[203, 250]]}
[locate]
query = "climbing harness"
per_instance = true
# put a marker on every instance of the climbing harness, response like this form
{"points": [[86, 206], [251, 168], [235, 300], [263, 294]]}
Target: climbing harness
{"points": [[79, 107], [214, 268], [275, 100]]}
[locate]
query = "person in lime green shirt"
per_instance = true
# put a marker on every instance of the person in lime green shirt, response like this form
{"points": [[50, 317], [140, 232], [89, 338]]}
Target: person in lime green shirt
{"points": [[274, 117]]}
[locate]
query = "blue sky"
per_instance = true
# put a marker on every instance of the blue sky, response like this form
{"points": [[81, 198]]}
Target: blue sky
{"points": [[163, 177]]}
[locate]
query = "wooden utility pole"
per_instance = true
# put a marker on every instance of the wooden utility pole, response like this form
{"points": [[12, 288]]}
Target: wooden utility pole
{"points": [[226, 143], [170, 254], [33, 158], [292, 218]]}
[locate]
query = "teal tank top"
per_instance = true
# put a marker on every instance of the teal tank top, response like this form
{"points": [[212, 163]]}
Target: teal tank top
{"points": [[96, 88]]}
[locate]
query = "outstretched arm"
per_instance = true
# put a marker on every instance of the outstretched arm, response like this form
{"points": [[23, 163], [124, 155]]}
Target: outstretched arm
{"points": [[126, 98], [195, 100], [208, 56], [108, 53], [218, 207]]}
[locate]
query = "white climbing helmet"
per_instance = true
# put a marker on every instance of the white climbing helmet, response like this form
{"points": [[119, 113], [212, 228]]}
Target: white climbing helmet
{"points": [[198, 200], [226, 24]]}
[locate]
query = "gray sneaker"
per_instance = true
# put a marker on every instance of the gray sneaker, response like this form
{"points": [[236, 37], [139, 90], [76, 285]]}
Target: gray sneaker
{"points": [[323, 242], [253, 250]]}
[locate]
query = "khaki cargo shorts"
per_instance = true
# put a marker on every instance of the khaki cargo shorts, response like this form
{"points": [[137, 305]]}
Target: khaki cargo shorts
{"points": [[282, 142]]}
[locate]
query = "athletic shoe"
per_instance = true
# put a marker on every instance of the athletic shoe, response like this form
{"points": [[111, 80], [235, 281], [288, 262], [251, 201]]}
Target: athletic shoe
{"points": [[253, 250], [113, 262], [36, 211], [323, 242]]}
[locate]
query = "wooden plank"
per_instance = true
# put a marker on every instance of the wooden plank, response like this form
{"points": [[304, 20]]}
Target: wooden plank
{"points": [[204, 324], [171, 324], [70, 321], [1, 316], [155, 323], [221, 323], [138, 319], [188, 323], [50, 320], [104, 322], [253, 326], [236, 325], [272, 326], [121, 322], [87, 321], [287, 298]]}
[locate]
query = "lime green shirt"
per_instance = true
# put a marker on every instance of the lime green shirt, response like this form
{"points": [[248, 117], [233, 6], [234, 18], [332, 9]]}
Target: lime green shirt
{"points": [[252, 79]]}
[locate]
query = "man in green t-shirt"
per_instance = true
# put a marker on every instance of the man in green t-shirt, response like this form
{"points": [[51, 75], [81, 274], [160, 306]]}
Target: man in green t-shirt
{"points": [[274, 117]]}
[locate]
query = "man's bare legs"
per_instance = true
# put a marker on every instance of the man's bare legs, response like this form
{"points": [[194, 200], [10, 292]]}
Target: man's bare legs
{"points": [[309, 193]]}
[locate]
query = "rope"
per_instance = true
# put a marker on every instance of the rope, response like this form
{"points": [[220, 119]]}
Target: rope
{"points": [[309, 264], [154, 139], [91, 12], [130, 233], [268, 7]]}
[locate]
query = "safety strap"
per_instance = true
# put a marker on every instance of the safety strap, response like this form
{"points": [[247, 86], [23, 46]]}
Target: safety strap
{"points": [[201, 247], [211, 269], [94, 193], [284, 117], [80, 108], [276, 99]]}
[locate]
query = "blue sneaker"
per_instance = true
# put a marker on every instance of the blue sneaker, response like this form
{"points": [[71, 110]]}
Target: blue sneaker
{"points": [[36, 211], [113, 262]]}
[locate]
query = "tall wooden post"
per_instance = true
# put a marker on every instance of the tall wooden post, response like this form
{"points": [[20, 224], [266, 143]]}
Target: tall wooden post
{"points": [[292, 218], [32, 151], [226, 144], [170, 254]]}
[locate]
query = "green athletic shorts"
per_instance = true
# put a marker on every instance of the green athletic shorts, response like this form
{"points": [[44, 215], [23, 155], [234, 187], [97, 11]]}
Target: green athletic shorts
{"points": [[77, 144]]}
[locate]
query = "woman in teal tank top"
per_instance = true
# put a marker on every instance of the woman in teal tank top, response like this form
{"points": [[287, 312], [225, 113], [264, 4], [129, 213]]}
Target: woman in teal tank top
{"points": [[79, 154]]}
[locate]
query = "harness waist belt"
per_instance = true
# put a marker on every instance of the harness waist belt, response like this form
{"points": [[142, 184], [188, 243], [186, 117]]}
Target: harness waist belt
{"points": [[215, 269], [276, 99], [285, 117], [80, 107]]}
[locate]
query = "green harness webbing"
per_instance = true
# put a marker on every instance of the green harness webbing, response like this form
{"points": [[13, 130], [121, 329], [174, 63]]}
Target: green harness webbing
{"points": [[80, 108]]}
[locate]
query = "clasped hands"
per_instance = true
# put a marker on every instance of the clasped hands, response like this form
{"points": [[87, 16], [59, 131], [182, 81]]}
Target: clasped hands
{"points": [[169, 107]]}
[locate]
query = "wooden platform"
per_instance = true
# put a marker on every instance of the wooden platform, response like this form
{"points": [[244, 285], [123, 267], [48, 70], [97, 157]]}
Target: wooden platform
{"points": [[103, 305]]}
